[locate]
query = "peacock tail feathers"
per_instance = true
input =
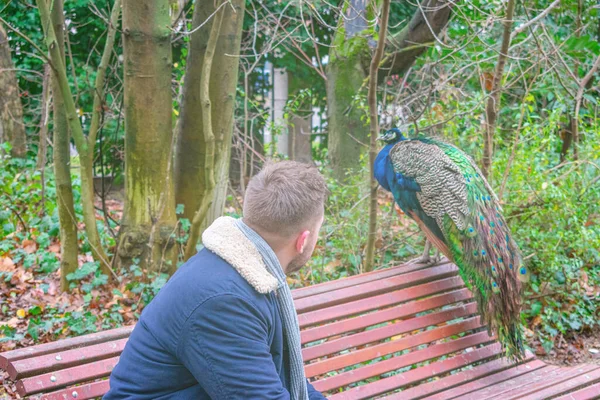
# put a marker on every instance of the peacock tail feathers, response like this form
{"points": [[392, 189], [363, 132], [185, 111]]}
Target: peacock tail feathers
{"points": [[463, 206]]}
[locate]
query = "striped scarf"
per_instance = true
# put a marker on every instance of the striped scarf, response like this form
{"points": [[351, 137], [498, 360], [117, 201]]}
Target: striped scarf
{"points": [[291, 328]]}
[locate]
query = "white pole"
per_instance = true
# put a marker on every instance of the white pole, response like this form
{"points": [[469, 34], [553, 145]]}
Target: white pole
{"points": [[280, 94]]}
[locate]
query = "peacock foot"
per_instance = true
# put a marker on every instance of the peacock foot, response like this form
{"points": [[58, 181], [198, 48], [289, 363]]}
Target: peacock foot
{"points": [[426, 259]]}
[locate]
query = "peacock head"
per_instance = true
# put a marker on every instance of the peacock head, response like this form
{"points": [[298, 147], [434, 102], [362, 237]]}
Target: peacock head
{"points": [[391, 136]]}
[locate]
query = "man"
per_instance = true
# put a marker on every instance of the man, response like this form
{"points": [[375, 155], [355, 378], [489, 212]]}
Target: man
{"points": [[224, 326]]}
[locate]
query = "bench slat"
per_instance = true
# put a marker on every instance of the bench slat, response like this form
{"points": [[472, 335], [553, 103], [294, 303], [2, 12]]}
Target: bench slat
{"points": [[358, 279], [64, 344], [83, 392], [417, 375], [587, 393], [65, 359], [370, 289], [376, 302], [501, 387], [398, 312], [566, 386], [70, 376], [407, 342], [472, 380], [402, 327], [566, 374], [414, 357]]}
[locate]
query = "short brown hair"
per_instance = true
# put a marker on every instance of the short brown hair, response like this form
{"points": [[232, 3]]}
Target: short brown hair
{"points": [[285, 197]]}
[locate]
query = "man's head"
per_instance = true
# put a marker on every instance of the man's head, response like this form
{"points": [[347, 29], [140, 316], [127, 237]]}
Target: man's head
{"points": [[284, 204]]}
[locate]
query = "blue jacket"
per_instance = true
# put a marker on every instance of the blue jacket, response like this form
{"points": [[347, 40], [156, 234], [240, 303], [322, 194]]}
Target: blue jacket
{"points": [[208, 334]]}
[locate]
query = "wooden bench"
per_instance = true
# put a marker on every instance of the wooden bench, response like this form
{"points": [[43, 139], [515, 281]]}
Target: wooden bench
{"points": [[406, 332]]}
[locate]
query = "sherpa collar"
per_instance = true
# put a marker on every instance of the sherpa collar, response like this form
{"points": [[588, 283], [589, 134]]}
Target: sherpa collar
{"points": [[225, 240]]}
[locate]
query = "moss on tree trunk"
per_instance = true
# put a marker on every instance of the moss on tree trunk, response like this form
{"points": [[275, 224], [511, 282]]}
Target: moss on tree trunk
{"points": [[149, 213], [346, 71]]}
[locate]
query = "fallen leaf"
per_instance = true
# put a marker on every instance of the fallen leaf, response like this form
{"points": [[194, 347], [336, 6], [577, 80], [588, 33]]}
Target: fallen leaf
{"points": [[29, 246], [13, 322], [540, 351], [7, 264], [52, 288], [21, 313]]}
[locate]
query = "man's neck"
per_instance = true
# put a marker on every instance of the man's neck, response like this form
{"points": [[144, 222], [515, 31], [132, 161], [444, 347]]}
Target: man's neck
{"points": [[275, 243]]}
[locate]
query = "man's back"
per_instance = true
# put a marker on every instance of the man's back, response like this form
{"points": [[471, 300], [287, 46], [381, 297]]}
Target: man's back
{"points": [[193, 339]]}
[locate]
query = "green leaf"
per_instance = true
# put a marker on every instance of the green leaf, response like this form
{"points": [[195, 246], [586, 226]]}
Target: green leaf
{"points": [[35, 310], [82, 272], [536, 308], [560, 277]]}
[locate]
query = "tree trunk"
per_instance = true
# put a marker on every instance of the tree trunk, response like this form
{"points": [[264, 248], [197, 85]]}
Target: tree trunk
{"points": [[347, 69], [11, 110], [149, 221], [211, 154], [62, 163], [374, 132], [190, 152], [493, 103], [300, 135], [74, 125], [420, 33]]}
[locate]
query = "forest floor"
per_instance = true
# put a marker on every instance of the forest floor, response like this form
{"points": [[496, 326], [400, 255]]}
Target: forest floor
{"points": [[576, 349], [35, 311]]}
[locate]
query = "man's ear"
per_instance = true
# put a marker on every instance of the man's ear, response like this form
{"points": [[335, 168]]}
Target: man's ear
{"points": [[301, 241]]}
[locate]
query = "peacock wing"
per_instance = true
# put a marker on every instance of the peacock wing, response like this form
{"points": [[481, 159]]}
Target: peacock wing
{"points": [[443, 189]]}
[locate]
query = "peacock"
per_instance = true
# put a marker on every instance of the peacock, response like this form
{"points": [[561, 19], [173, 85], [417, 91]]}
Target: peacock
{"points": [[442, 189]]}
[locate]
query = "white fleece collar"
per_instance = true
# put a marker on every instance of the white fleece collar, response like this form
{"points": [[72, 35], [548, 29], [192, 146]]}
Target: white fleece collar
{"points": [[225, 240]]}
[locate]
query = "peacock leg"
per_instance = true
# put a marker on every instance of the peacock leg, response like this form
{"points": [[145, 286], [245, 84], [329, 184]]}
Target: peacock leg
{"points": [[438, 257], [426, 258]]}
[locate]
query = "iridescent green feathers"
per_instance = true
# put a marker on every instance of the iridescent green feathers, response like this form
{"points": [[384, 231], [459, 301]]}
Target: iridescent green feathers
{"points": [[457, 197]]}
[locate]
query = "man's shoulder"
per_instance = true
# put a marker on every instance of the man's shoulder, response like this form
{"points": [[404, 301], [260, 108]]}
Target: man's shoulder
{"points": [[206, 275], [202, 277]]}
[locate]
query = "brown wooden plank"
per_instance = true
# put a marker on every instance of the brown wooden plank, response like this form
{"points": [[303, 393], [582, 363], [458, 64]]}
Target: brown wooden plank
{"points": [[399, 312], [566, 386], [587, 393], [64, 359], [83, 392], [414, 357], [370, 289], [70, 376], [497, 388], [417, 375], [359, 279], [372, 352], [398, 328], [377, 302], [466, 381], [541, 385], [63, 344]]}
